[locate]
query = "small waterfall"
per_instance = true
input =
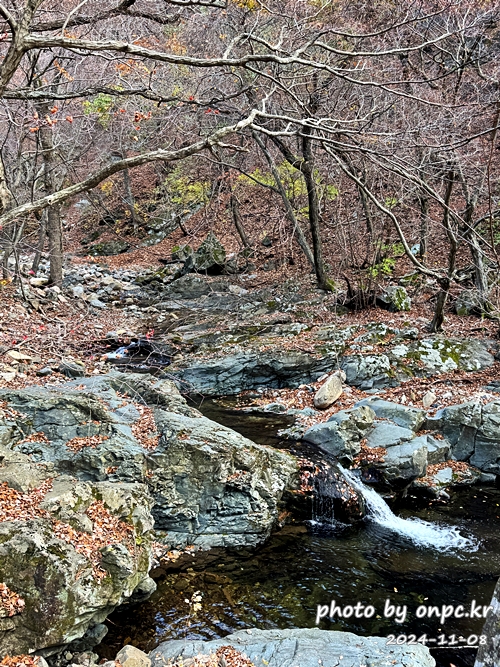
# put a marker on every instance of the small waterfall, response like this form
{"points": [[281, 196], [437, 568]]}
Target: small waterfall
{"points": [[422, 533]]}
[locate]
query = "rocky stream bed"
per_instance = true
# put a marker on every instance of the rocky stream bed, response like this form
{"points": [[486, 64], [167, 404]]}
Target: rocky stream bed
{"points": [[114, 485]]}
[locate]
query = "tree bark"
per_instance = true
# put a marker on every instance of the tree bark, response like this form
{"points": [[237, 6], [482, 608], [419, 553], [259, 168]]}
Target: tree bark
{"points": [[238, 223], [54, 227], [307, 169]]}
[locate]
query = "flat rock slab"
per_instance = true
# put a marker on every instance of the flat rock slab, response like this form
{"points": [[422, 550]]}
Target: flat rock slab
{"points": [[301, 647], [386, 434]]}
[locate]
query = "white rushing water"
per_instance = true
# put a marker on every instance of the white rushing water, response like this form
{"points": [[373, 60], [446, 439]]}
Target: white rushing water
{"points": [[422, 533]]}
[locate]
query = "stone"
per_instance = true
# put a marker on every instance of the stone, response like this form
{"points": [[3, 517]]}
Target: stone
{"points": [[97, 303], [78, 291], [18, 356], [470, 302], [130, 656], [108, 248], [367, 371], [486, 454], [304, 647], [385, 434], [71, 369], [238, 372], [329, 392], [64, 597], [404, 462], [459, 424], [438, 450], [210, 485], [402, 415], [428, 399], [44, 372], [341, 435], [210, 255], [395, 299], [487, 653]]}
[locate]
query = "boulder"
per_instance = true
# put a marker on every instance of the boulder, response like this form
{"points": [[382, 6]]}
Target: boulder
{"points": [[341, 435], [235, 373], [211, 255], [60, 539], [395, 299], [187, 287], [404, 462], [487, 653], [486, 454], [210, 485], [459, 424], [368, 371], [304, 647], [72, 369], [402, 415], [385, 434], [130, 656], [329, 392], [470, 302], [108, 248]]}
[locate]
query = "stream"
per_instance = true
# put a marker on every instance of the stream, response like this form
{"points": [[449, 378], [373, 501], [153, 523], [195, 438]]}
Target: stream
{"points": [[281, 584]]}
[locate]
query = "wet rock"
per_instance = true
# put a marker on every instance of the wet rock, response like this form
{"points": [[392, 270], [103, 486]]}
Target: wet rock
{"points": [[304, 647], [395, 299], [329, 392]]}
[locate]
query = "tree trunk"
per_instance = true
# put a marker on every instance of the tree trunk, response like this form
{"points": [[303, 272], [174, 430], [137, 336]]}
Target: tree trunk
{"points": [[42, 233], [54, 228], [238, 223], [129, 198], [307, 169], [424, 224], [442, 297]]}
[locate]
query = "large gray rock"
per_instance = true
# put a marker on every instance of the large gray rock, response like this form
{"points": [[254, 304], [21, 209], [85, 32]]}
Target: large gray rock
{"points": [[304, 647], [341, 435], [459, 424], [404, 462], [486, 454], [72, 550], [251, 370], [402, 415], [210, 255], [210, 485], [367, 371], [395, 299], [385, 434], [488, 653]]}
